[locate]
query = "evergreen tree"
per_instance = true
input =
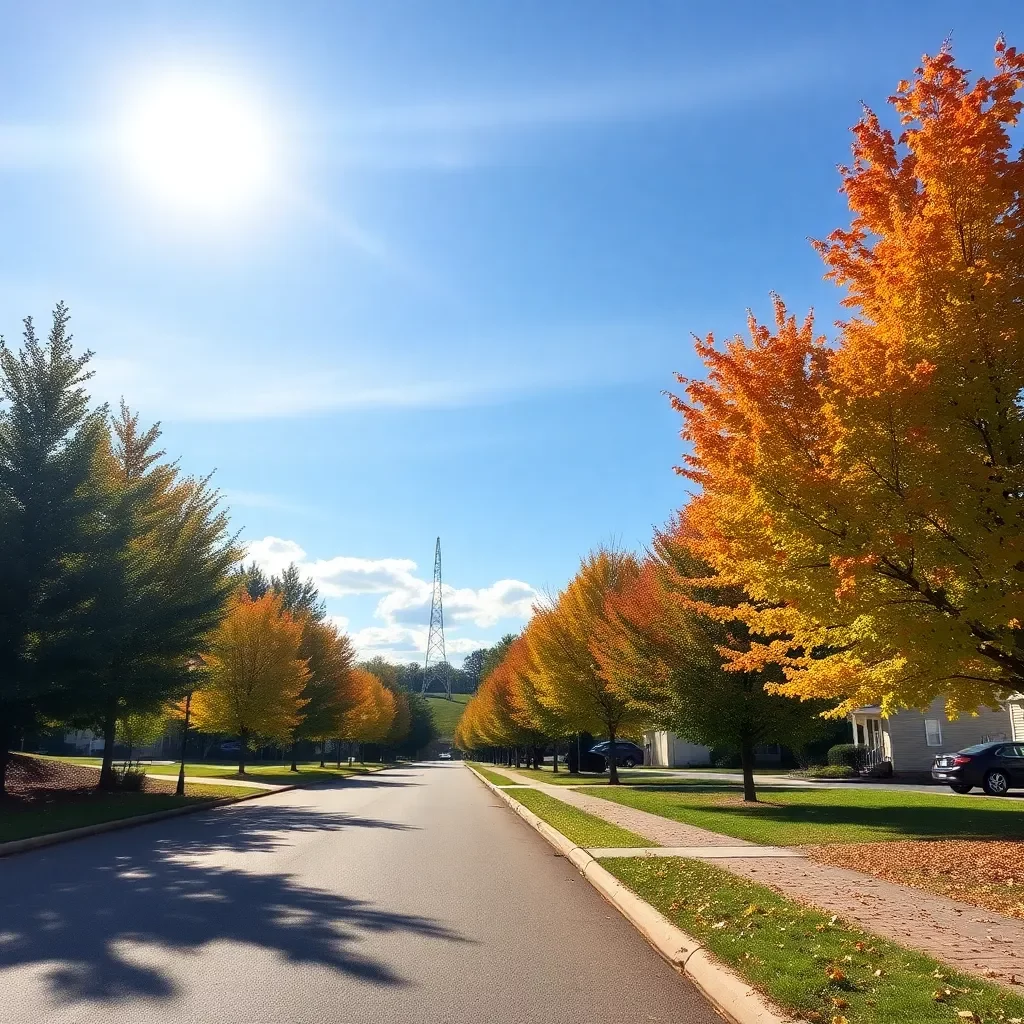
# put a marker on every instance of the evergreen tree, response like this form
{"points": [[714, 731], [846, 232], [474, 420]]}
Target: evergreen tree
{"points": [[49, 517], [298, 596], [164, 583]]}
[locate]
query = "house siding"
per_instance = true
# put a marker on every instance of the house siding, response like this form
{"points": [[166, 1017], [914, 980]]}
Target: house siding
{"points": [[666, 750], [909, 749], [1016, 720]]}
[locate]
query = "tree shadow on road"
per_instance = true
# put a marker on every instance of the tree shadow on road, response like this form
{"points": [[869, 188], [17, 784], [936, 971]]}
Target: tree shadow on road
{"points": [[257, 827], [95, 912]]}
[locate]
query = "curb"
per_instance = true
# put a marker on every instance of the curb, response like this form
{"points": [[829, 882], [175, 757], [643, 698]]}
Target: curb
{"points": [[69, 834], [737, 1001]]}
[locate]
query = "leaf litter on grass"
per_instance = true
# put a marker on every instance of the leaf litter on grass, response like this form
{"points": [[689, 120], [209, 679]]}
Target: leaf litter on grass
{"points": [[986, 873]]}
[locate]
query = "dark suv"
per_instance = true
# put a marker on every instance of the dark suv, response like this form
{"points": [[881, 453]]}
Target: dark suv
{"points": [[627, 754], [996, 767]]}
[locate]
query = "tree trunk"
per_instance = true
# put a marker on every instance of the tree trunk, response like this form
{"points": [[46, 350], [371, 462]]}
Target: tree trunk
{"points": [[107, 779], [243, 750], [339, 752], [554, 758], [323, 753], [295, 747], [613, 768], [747, 762]]}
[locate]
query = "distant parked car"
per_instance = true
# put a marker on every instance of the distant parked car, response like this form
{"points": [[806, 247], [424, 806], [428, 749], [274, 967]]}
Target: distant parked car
{"points": [[627, 753], [230, 747], [445, 755], [996, 767]]}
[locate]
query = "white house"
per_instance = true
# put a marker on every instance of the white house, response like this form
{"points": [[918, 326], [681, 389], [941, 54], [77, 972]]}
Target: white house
{"points": [[909, 740], [663, 749]]}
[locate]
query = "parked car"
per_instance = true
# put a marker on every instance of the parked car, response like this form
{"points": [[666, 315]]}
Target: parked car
{"points": [[627, 753], [230, 747], [445, 755], [996, 767]]}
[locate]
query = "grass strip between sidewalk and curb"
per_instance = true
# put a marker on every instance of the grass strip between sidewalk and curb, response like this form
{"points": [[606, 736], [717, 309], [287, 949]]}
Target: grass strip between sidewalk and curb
{"points": [[496, 777], [583, 829], [812, 964]]}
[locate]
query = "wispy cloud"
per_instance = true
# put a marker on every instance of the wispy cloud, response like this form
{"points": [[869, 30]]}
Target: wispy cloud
{"points": [[452, 132]]}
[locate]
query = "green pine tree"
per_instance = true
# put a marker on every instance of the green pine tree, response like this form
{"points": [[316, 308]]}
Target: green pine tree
{"points": [[50, 514], [166, 576]]}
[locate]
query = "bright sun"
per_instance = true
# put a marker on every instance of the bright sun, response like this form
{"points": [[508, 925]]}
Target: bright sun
{"points": [[197, 142]]}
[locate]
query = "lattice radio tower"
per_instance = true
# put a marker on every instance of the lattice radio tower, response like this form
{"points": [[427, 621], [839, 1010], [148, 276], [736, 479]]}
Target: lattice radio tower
{"points": [[436, 659]]}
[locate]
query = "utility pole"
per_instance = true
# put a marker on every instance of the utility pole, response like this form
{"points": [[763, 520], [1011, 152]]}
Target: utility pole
{"points": [[436, 656]]}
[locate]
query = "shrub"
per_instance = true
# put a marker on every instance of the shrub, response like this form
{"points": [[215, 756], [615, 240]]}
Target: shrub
{"points": [[852, 755], [130, 779], [829, 771]]}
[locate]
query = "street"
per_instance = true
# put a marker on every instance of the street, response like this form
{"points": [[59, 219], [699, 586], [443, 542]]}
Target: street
{"points": [[410, 896]]}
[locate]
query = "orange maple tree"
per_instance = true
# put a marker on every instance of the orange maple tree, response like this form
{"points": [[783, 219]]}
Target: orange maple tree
{"points": [[867, 492]]}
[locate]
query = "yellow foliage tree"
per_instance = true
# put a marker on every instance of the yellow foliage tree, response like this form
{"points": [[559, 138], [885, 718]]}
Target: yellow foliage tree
{"points": [[866, 493], [370, 716], [254, 674], [570, 682]]}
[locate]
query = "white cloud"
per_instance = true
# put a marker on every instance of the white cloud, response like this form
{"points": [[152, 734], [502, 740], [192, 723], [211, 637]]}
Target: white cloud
{"points": [[404, 607], [272, 554]]}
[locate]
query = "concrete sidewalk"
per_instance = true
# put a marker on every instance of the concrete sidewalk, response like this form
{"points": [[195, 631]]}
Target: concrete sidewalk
{"points": [[212, 780], [971, 939]]}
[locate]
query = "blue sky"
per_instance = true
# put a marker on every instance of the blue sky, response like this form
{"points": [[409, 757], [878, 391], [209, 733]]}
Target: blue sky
{"points": [[486, 236]]}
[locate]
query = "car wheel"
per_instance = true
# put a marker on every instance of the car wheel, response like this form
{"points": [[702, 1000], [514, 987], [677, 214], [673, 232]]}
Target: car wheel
{"points": [[961, 787], [628, 763], [996, 783]]}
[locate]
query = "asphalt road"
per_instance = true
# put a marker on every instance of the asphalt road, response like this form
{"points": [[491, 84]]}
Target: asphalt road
{"points": [[413, 896]]}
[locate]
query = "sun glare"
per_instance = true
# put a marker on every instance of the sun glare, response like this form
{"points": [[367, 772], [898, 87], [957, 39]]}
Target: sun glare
{"points": [[197, 142]]}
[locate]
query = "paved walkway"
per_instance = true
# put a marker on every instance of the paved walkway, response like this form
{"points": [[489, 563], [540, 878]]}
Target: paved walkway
{"points": [[972, 939], [661, 830], [212, 780]]}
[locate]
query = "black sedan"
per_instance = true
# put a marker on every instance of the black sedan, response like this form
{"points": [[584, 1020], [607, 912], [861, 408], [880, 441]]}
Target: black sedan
{"points": [[627, 754], [996, 767]]}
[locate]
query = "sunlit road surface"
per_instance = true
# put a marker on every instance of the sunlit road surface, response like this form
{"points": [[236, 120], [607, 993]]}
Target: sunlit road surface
{"points": [[410, 896]]}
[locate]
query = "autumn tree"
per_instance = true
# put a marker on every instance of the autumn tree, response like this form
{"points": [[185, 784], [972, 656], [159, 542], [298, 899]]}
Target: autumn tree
{"points": [[570, 682], [866, 492], [541, 722], [372, 711], [50, 513], [669, 646], [162, 583], [328, 693], [255, 674]]}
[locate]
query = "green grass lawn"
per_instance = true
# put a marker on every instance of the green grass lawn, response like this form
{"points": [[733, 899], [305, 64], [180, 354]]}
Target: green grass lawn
{"points": [[494, 777], [583, 829], [446, 713], [810, 963], [791, 817], [278, 774], [20, 823]]}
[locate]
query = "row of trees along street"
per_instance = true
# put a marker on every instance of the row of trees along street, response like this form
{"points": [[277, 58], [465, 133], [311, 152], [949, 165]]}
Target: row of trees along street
{"points": [[857, 533], [122, 592]]}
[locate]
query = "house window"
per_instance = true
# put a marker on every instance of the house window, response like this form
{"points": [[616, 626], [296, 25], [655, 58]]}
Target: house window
{"points": [[933, 732]]}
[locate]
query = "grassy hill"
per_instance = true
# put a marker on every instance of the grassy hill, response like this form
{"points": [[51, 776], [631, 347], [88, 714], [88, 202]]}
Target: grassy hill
{"points": [[447, 712]]}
